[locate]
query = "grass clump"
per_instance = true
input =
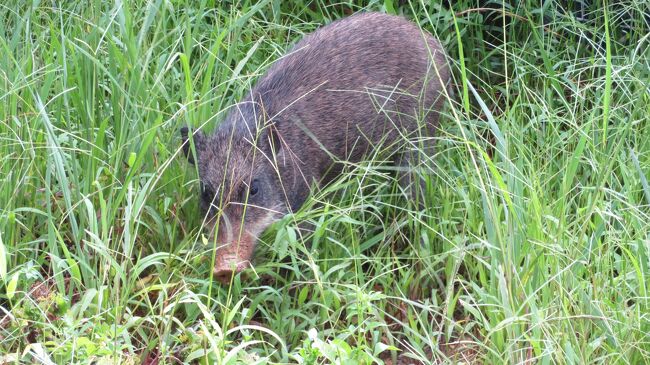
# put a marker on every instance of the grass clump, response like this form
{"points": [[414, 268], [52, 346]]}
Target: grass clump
{"points": [[533, 247]]}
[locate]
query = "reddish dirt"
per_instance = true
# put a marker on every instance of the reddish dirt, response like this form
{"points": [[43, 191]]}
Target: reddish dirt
{"points": [[460, 352], [40, 290]]}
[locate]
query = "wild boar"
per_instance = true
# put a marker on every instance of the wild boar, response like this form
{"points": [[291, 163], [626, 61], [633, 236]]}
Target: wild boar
{"points": [[340, 92]]}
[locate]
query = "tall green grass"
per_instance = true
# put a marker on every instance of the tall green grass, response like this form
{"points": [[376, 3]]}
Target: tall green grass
{"points": [[534, 246]]}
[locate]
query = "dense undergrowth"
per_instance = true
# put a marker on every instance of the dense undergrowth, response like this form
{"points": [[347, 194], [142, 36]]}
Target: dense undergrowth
{"points": [[534, 246]]}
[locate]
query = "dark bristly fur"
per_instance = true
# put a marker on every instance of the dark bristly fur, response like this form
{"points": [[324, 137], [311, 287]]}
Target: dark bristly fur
{"points": [[339, 92]]}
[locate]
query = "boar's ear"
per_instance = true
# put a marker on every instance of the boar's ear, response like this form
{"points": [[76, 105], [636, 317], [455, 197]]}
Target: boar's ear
{"points": [[274, 142], [199, 141]]}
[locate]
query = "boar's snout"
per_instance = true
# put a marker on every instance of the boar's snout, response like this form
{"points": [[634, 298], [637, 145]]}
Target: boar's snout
{"points": [[233, 258]]}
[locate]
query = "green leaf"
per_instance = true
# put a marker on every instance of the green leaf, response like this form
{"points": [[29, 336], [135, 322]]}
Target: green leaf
{"points": [[132, 158], [3, 260], [13, 283]]}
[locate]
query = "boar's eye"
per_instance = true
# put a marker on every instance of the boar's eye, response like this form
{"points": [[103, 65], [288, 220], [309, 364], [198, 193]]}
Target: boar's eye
{"points": [[206, 193], [254, 188]]}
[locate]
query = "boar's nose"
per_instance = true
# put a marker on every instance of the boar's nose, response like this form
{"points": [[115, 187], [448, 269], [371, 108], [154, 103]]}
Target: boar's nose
{"points": [[233, 258], [224, 274], [228, 266]]}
